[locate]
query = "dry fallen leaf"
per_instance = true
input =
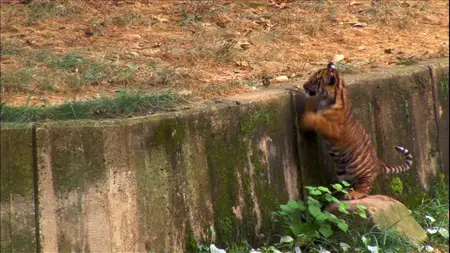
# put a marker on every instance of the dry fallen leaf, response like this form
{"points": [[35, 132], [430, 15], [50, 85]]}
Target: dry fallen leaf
{"points": [[244, 44], [362, 24], [354, 3], [242, 64], [161, 18]]}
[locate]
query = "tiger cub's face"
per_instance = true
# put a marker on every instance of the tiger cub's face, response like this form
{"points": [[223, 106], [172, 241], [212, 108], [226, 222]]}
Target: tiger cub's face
{"points": [[323, 82]]}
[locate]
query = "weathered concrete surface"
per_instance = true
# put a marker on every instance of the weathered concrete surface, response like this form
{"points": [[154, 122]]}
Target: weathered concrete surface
{"points": [[443, 94], [385, 213], [159, 182], [17, 206]]}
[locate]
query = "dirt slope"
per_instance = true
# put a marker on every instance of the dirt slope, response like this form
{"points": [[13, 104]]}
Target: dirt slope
{"points": [[54, 51]]}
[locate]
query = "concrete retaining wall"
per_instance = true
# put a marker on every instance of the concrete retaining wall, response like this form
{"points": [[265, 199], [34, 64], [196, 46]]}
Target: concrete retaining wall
{"points": [[158, 183]]}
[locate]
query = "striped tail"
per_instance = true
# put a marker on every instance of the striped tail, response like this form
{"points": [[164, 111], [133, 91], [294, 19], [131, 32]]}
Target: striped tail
{"points": [[404, 167]]}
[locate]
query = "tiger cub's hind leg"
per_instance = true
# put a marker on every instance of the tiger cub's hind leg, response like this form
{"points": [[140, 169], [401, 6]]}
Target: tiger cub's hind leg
{"points": [[361, 188], [357, 194]]}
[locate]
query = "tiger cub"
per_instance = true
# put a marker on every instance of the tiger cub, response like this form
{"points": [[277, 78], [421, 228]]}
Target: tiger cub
{"points": [[328, 111]]}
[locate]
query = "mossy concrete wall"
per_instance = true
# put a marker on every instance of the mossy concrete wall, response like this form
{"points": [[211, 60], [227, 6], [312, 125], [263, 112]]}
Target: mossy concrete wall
{"points": [[158, 183], [17, 191]]}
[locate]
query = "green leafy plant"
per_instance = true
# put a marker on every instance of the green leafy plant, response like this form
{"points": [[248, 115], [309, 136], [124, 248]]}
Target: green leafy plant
{"points": [[305, 221]]}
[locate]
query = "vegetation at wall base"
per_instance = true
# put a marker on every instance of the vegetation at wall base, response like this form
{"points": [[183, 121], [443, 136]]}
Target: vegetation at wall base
{"points": [[306, 227]]}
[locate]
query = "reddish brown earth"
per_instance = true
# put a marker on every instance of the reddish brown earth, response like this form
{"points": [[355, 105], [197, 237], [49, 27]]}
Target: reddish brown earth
{"points": [[204, 49]]}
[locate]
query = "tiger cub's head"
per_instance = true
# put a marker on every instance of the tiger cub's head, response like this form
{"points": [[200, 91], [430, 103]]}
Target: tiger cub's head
{"points": [[324, 82]]}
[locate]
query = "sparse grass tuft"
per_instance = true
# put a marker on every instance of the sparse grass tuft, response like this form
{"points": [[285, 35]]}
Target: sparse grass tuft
{"points": [[43, 67], [126, 104], [129, 19], [9, 47], [16, 80], [38, 11], [195, 11], [165, 76]]}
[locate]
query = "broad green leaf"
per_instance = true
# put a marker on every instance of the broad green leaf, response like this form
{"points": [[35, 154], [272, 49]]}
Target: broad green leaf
{"points": [[315, 192], [361, 207], [286, 209], [296, 227], [314, 211], [293, 204], [344, 183], [331, 217], [362, 215], [330, 198], [299, 204], [343, 226], [337, 187], [313, 202], [343, 207], [325, 230], [323, 189], [321, 216]]}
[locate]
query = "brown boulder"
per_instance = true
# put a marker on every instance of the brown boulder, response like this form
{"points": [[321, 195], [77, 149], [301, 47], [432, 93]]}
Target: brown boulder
{"points": [[387, 213]]}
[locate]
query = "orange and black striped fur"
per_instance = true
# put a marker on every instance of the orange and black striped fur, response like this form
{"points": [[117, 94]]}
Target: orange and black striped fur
{"points": [[328, 111]]}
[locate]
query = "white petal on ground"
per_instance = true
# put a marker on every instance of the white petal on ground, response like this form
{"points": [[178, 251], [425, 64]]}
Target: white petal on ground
{"points": [[372, 249], [286, 239], [344, 246], [428, 248], [432, 230], [431, 219], [214, 249]]}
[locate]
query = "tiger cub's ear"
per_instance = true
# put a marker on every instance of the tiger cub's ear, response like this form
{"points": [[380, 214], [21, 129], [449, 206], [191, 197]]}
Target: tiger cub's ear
{"points": [[331, 67], [332, 70]]}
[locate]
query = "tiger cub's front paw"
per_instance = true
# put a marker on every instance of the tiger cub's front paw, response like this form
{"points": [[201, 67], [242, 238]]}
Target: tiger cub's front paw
{"points": [[307, 121]]}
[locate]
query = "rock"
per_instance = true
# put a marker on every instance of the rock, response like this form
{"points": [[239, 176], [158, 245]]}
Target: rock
{"points": [[133, 37], [280, 79], [184, 92], [386, 212]]}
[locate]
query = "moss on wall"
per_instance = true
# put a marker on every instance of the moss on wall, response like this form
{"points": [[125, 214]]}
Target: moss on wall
{"points": [[264, 117], [396, 185], [17, 220], [443, 88], [223, 162], [227, 149], [77, 157]]}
